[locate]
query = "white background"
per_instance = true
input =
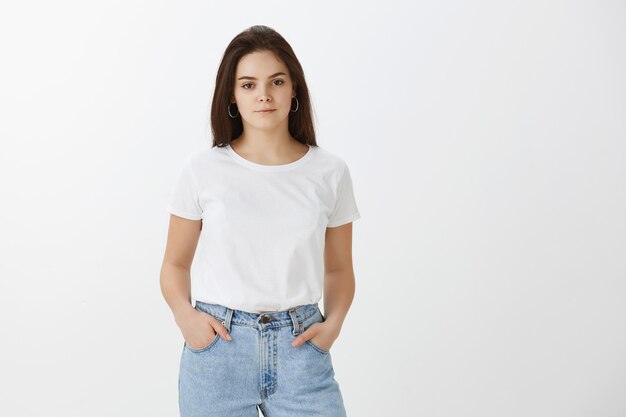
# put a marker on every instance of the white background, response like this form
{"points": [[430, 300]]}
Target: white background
{"points": [[486, 142]]}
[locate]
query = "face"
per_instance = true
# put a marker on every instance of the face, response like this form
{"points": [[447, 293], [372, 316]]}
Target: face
{"points": [[263, 82]]}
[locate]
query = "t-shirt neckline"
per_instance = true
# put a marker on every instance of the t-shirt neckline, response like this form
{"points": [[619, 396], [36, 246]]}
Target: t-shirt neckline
{"points": [[260, 167]]}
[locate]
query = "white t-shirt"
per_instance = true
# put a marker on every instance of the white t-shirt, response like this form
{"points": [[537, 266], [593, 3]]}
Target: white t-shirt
{"points": [[261, 247]]}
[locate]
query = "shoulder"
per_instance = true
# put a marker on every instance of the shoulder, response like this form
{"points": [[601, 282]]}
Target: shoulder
{"points": [[205, 153], [204, 157], [330, 159]]}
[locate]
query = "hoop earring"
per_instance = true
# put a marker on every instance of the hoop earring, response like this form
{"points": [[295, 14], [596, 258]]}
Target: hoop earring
{"points": [[297, 105], [231, 114]]}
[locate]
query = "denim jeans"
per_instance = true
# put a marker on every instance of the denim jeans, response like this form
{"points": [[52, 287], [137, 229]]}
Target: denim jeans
{"points": [[259, 369]]}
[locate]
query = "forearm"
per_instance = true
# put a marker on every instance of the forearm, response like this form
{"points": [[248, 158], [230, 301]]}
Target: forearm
{"points": [[338, 295], [176, 288]]}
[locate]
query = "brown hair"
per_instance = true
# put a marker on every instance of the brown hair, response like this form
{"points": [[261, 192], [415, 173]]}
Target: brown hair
{"points": [[256, 39]]}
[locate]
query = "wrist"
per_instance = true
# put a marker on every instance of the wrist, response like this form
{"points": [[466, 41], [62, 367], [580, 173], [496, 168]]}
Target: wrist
{"points": [[182, 310], [334, 324]]}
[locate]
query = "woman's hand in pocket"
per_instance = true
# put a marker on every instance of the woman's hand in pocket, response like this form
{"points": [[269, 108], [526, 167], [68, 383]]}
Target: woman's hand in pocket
{"points": [[321, 334], [199, 328]]}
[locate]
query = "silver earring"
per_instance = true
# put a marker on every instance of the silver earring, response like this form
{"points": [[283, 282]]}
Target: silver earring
{"points": [[297, 105], [231, 114]]}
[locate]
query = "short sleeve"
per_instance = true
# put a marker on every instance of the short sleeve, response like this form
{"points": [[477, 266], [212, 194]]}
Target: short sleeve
{"points": [[345, 209], [184, 200]]}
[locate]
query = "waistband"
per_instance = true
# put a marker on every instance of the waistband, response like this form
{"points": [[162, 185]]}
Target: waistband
{"points": [[297, 317]]}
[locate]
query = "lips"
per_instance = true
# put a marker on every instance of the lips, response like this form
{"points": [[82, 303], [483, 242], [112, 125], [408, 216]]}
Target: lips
{"points": [[266, 111]]}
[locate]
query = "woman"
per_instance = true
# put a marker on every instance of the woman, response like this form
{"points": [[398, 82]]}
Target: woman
{"points": [[277, 214]]}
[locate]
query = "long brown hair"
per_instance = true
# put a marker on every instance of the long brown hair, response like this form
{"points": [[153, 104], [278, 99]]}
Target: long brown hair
{"points": [[256, 39]]}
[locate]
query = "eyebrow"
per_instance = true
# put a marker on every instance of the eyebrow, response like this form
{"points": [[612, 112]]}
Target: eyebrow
{"points": [[246, 77]]}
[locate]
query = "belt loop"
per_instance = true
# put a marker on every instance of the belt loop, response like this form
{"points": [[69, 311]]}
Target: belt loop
{"points": [[227, 321], [294, 320]]}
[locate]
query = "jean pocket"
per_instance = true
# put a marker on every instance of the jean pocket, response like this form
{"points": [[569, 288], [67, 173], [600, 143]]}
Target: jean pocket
{"points": [[317, 348], [203, 349], [317, 318], [212, 343]]}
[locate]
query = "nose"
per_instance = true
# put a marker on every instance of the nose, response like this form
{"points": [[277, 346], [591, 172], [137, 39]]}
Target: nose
{"points": [[264, 96]]}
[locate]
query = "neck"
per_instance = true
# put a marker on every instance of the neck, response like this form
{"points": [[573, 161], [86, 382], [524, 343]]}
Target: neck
{"points": [[263, 142]]}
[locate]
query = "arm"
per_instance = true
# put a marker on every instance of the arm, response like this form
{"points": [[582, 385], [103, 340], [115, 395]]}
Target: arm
{"points": [[196, 326], [338, 288], [339, 283], [182, 240]]}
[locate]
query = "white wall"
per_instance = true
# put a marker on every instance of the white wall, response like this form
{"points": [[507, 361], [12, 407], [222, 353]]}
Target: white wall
{"points": [[486, 142]]}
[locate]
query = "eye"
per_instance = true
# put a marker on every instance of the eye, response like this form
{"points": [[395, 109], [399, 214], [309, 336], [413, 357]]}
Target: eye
{"points": [[281, 82]]}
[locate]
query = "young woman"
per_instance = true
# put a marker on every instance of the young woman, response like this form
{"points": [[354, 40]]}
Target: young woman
{"points": [[271, 214]]}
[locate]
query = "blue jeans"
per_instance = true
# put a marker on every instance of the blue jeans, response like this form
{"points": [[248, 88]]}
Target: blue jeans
{"points": [[259, 369]]}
